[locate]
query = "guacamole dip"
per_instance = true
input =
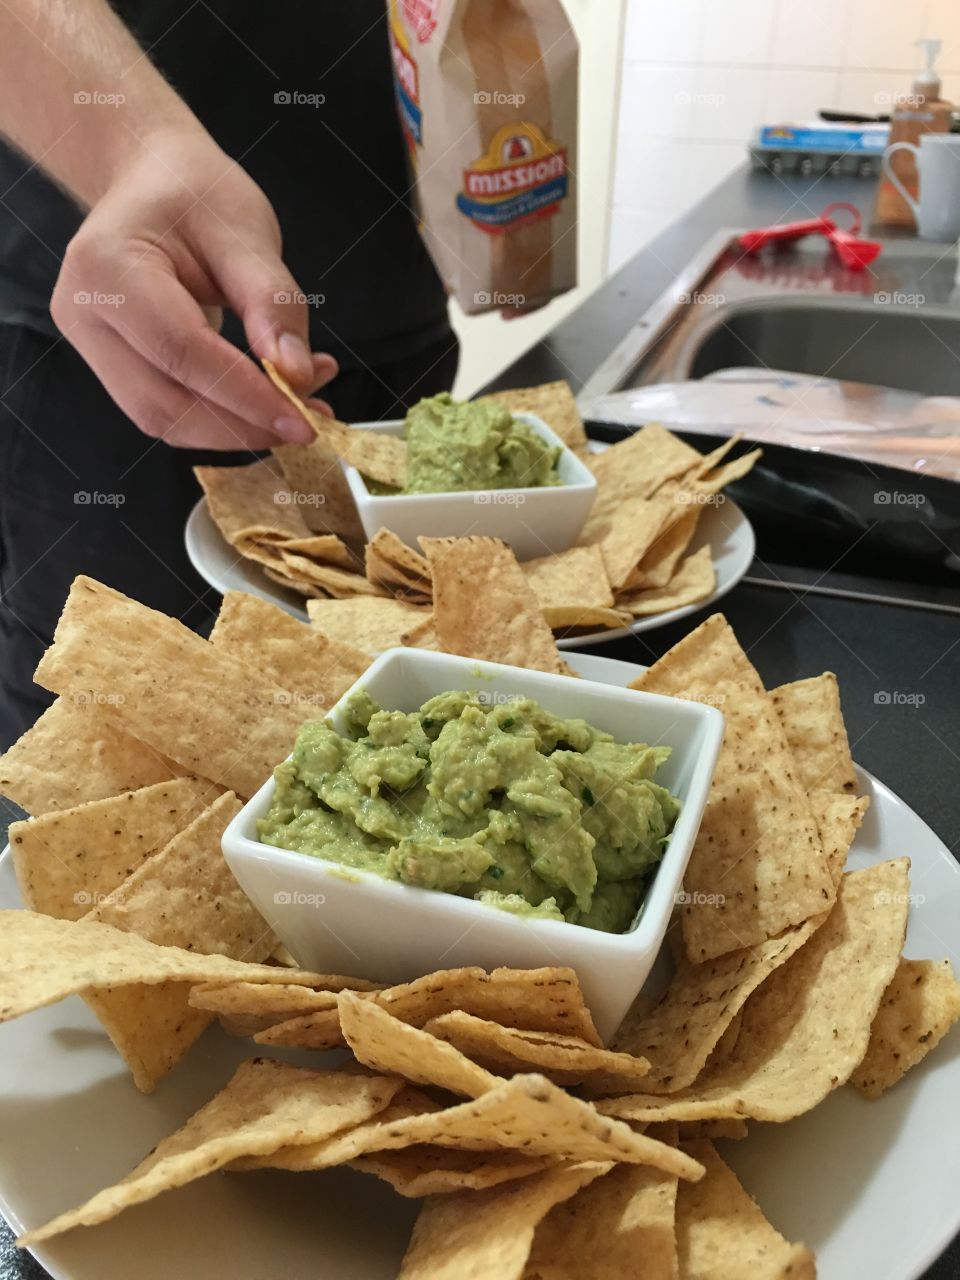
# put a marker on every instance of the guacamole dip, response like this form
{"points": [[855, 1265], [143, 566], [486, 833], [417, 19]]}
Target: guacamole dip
{"points": [[452, 445], [504, 803]]}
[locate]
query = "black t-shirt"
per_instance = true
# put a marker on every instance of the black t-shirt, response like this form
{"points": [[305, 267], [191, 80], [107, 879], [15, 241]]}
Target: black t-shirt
{"points": [[336, 173]]}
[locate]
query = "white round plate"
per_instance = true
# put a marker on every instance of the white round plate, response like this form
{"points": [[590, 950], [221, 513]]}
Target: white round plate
{"points": [[723, 525], [870, 1186]]}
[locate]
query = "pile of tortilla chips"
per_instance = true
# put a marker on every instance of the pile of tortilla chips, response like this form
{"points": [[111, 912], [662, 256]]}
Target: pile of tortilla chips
{"points": [[540, 1153], [298, 522]]}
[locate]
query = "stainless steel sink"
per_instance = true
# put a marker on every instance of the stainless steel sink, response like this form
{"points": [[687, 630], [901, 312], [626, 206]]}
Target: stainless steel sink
{"points": [[894, 348], [896, 324]]}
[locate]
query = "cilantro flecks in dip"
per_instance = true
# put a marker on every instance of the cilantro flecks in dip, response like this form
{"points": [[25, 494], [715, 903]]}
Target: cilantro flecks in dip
{"points": [[505, 803], [454, 445]]}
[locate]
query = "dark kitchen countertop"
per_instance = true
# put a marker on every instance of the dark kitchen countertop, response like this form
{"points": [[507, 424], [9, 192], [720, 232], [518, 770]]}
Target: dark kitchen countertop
{"points": [[874, 649]]}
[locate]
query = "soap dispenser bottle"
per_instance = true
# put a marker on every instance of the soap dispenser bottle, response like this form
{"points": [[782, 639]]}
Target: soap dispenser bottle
{"points": [[920, 111]]}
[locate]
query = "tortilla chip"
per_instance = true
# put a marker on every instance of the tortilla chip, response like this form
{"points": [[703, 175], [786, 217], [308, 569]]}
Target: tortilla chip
{"points": [[266, 554], [397, 553], [565, 1060], [710, 482], [341, 1148], [319, 1031], [721, 1232], [380, 457], [78, 751], [68, 860], [569, 620], [251, 504], [807, 1026], [43, 960], [392, 1047], [675, 948], [314, 476], [660, 563], [315, 670], [573, 588], [680, 1032], [576, 576], [918, 1008], [700, 487], [813, 722], [290, 582], [309, 562], [838, 819], [547, 999], [757, 865], [247, 1008], [480, 578], [487, 1233], [216, 716], [527, 1114], [626, 533], [391, 564], [725, 1047], [427, 1171], [651, 486], [265, 1106], [637, 466], [553, 402], [342, 584], [413, 1171], [710, 461], [185, 896], [619, 1226], [373, 623], [276, 998], [530, 1113], [696, 579], [632, 524], [422, 635], [692, 1130], [323, 548], [151, 1027]]}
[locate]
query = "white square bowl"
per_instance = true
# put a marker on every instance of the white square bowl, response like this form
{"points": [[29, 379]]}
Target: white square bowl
{"points": [[536, 521], [339, 920]]}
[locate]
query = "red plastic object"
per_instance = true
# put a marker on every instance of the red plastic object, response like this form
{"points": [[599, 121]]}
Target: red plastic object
{"points": [[854, 252], [782, 233], [854, 227]]}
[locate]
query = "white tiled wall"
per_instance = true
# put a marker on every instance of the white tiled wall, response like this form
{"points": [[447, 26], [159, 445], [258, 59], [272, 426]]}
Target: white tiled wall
{"points": [[698, 75]]}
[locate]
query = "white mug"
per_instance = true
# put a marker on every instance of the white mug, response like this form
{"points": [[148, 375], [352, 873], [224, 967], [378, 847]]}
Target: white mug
{"points": [[938, 165]]}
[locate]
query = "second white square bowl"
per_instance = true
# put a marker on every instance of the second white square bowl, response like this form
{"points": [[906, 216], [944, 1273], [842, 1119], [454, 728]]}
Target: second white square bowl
{"points": [[340, 920], [535, 522]]}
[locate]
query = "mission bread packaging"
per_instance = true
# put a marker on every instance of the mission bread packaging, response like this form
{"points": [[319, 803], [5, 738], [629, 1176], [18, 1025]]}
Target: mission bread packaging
{"points": [[487, 92]]}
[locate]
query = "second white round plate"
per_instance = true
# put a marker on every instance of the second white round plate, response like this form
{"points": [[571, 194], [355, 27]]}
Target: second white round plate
{"points": [[722, 525]]}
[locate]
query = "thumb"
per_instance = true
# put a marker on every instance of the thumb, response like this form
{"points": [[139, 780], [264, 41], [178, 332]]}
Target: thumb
{"points": [[269, 302]]}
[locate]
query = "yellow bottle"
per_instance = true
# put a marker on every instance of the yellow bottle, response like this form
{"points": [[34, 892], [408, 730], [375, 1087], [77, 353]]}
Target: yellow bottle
{"points": [[920, 111]]}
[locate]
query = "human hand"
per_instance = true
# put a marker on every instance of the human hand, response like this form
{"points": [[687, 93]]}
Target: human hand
{"points": [[180, 232]]}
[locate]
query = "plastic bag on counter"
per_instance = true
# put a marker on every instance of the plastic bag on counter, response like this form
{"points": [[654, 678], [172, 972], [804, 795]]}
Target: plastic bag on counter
{"points": [[853, 419], [487, 94]]}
